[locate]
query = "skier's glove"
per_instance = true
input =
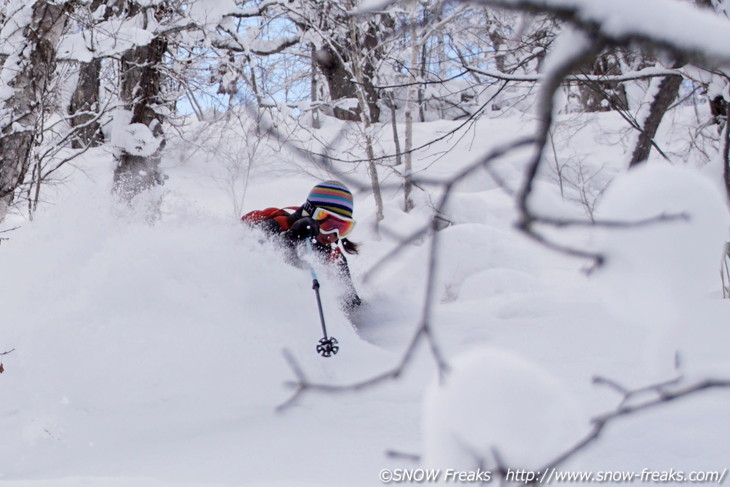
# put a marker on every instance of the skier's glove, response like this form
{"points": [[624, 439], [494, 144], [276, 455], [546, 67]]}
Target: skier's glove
{"points": [[304, 228]]}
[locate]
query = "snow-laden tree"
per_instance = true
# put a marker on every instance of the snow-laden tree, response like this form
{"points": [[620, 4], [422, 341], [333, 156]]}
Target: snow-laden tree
{"points": [[141, 93], [29, 34], [143, 65]]}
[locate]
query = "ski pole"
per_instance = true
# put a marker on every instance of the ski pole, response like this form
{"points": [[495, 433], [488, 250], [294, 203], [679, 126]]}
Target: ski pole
{"points": [[327, 346]]}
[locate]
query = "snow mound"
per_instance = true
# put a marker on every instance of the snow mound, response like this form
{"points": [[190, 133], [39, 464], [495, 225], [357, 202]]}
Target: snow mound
{"points": [[464, 251], [493, 401], [652, 271], [499, 283], [487, 207], [471, 248]]}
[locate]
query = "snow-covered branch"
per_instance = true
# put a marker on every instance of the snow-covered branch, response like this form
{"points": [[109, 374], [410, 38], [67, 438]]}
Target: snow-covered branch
{"points": [[260, 48], [678, 27], [645, 73], [578, 49], [258, 10]]}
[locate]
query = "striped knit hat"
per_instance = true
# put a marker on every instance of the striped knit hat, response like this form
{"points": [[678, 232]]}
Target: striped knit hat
{"points": [[331, 196]]}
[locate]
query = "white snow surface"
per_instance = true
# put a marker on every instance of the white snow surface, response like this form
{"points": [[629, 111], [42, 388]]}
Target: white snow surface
{"points": [[151, 354], [496, 403], [677, 259]]}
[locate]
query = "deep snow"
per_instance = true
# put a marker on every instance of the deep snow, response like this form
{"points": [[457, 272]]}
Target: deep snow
{"points": [[151, 354]]}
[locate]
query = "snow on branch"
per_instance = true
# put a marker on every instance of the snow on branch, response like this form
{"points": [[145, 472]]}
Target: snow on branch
{"points": [[111, 38], [578, 78], [259, 9], [676, 26], [260, 48]]}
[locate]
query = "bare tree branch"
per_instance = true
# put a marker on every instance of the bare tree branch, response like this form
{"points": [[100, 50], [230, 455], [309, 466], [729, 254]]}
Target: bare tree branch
{"points": [[704, 53], [566, 222], [302, 385], [661, 395], [2, 368], [645, 73], [550, 85]]}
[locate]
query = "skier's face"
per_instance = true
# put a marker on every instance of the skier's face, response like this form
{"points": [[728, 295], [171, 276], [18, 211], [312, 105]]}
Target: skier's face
{"points": [[327, 238]]}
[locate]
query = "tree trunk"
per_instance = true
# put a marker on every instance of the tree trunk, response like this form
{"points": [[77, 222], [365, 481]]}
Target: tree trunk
{"points": [[410, 108], [666, 92], [313, 91], [367, 124], [725, 152], [595, 94], [33, 66], [370, 49], [339, 81], [718, 104], [141, 87], [336, 62], [389, 100], [84, 107]]}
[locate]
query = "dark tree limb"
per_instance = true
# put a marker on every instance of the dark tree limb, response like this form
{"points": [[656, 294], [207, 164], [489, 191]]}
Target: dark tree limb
{"points": [[654, 396], [2, 368], [667, 90], [662, 395]]}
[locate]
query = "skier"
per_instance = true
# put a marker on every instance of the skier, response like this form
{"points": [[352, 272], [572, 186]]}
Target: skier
{"points": [[325, 219]]}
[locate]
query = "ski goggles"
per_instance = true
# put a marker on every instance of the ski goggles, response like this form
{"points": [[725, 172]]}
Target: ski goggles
{"points": [[333, 223]]}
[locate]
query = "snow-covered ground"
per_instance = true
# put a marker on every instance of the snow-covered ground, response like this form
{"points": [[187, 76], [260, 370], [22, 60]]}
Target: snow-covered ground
{"points": [[152, 355]]}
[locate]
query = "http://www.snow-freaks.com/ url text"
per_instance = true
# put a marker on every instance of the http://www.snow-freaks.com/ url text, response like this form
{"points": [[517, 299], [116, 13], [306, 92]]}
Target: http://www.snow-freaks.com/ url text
{"points": [[549, 476]]}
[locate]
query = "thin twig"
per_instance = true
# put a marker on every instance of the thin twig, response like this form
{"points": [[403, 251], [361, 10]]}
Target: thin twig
{"points": [[303, 385], [398, 455], [623, 410], [567, 222]]}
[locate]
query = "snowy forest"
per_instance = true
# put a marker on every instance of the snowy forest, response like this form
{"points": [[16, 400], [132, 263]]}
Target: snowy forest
{"points": [[541, 194]]}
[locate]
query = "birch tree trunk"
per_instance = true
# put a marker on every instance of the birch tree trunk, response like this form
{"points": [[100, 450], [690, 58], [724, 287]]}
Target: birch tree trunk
{"points": [[313, 91], [410, 108], [367, 121], [29, 72]]}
